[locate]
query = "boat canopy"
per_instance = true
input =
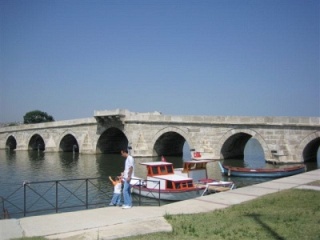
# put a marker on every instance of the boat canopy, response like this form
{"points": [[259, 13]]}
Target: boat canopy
{"points": [[194, 165], [159, 168], [197, 170]]}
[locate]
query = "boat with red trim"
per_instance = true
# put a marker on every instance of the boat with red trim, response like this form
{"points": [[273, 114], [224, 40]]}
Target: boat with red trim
{"points": [[163, 183]]}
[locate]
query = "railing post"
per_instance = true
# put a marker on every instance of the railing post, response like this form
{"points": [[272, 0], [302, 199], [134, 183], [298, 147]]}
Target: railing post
{"points": [[57, 197], [87, 194], [24, 199], [159, 194], [140, 185], [2, 201]]}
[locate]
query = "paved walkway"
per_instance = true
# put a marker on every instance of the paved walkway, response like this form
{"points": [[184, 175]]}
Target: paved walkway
{"points": [[115, 222]]}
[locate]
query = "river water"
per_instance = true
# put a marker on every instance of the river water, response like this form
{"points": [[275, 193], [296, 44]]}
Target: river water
{"points": [[17, 167]]}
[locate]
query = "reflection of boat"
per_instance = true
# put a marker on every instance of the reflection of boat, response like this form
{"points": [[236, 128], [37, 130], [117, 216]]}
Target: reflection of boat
{"points": [[261, 172], [197, 170], [163, 183]]}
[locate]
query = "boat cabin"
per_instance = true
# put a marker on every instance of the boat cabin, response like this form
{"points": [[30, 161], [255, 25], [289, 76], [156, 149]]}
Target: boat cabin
{"points": [[163, 172], [197, 170]]}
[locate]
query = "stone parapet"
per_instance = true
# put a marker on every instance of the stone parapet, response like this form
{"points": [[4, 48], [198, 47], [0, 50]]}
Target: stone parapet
{"points": [[55, 124], [220, 120]]}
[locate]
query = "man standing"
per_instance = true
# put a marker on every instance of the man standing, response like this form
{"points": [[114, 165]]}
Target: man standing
{"points": [[127, 174]]}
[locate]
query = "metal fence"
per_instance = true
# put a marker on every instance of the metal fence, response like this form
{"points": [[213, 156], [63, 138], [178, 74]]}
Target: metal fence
{"points": [[44, 197]]}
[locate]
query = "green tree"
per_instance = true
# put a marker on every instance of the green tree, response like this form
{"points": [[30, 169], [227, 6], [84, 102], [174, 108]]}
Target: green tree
{"points": [[37, 116]]}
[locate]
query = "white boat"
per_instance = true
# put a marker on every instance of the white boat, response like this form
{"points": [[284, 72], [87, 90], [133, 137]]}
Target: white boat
{"points": [[163, 183]]}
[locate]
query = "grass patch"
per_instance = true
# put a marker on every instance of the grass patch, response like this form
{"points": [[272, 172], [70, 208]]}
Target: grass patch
{"points": [[291, 214]]}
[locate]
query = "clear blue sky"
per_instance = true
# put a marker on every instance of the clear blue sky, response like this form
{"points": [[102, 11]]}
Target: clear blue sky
{"points": [[180, 57]]}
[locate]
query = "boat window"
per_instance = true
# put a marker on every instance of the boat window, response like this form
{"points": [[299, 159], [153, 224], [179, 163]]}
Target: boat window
{"points": [[155, 170], [163, 169], [180, 185], [170, 169], [169, 185], [190, 184], [184, 184], [201, 166], [193, 166]]}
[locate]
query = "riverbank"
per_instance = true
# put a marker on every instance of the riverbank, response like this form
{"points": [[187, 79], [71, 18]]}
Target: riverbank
{"points": [[115, 222], [289, 214]]}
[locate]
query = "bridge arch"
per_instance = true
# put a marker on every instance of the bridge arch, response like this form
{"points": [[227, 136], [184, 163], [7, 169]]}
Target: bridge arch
{"points": [[232, 144], [68, 143], [112, 140], [308, 148], [169, 141], [36, 142], [11, 143]]}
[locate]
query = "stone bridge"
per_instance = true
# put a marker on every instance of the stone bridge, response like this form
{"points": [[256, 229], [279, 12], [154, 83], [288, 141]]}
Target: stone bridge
{"points": [[283, 139]]}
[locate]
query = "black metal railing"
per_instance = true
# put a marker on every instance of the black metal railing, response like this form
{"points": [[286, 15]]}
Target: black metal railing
{"points": [[11, 203], [64, 194], [5, 214], [43, 197]]}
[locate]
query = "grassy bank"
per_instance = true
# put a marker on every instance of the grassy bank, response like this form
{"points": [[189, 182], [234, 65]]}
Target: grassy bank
{"points": [[291, 214]]}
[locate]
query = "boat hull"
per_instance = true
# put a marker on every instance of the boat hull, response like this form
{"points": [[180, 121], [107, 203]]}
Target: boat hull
{"points": [[169, 195], [264, 173]]}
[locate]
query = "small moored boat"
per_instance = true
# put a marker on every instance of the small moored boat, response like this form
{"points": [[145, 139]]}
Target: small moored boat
{"points": [[163, 183], [262, 172]]}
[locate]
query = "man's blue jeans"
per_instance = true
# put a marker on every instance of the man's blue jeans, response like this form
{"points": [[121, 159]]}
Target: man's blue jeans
{"points": [[127, 194]]}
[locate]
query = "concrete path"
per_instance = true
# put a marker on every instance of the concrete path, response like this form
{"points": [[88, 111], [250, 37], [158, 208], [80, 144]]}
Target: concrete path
{"points": [[115, 222]]}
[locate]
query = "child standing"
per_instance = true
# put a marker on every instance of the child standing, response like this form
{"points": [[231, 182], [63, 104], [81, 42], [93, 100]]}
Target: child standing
{"points": [[116, 197]]}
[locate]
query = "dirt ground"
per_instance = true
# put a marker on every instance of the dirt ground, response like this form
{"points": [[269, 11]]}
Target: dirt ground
{"points": [[315, 183]]}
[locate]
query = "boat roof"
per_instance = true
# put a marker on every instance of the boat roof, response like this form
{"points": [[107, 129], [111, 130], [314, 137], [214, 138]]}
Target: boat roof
{"points": [[172, 177], [197, 161], [156, 163]]}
